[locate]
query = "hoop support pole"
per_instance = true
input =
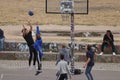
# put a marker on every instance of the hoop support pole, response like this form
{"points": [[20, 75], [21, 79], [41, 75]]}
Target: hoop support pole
{"points": [[72, 43]]}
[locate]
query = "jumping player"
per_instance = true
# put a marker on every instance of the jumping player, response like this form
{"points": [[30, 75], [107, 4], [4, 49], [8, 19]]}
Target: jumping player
{"points": [[38, 47]]}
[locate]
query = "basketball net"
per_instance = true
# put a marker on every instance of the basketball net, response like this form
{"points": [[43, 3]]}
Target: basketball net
{"points": [[65, 17]]}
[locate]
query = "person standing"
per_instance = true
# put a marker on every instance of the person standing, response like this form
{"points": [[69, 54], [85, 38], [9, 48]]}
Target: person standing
{"points": [[108, 41], [89, 63], [63, 69], [38, 47], [66, 52], [2, 38], [27, 35]]}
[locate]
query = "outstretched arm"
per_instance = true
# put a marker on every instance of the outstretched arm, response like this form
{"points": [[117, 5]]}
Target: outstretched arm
{"points": [[30, 26]]}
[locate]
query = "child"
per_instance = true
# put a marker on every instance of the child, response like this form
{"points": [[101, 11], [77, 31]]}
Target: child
{"points": [[63, 69], [64, 51], [89, 63], [38, 47]]}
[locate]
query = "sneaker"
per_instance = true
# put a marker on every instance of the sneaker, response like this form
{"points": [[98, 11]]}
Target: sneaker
{"points": [[114, 53], [38, 72], [101, 53]]}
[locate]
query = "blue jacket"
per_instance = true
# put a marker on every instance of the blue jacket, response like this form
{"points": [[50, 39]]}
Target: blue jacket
{"points": [[38, 46]]}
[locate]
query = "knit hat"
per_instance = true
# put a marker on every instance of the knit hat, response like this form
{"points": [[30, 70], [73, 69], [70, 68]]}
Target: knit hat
{"points": [[37, 30]]}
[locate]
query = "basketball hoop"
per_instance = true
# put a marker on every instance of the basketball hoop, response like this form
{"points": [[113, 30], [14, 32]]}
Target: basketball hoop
{"points": [[66, 8]]}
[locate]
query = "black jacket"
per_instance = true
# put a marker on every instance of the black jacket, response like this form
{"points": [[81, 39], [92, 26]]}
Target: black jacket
{"points": [[1, 34], [107, 39]]}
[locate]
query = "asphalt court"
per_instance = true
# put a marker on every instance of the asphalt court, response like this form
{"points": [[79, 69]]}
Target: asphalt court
{"points": [[49, 74], [19, 70]]}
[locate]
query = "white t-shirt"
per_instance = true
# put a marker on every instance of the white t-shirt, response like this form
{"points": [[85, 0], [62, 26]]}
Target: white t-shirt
{"points": [[63, 67]]}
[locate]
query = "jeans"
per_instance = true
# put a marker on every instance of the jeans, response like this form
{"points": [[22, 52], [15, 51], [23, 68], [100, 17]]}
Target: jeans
{"points": [[88, 73], [107, 45], [1, 44]]}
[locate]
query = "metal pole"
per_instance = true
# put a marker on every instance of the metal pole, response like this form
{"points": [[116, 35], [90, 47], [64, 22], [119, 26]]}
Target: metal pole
{"points": [[72, 43]]}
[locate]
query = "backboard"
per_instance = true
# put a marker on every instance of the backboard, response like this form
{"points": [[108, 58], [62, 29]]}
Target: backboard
{"points": [[67, 6]]}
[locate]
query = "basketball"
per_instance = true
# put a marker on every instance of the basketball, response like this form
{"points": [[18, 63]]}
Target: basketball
{"points": [[30, 13]]}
